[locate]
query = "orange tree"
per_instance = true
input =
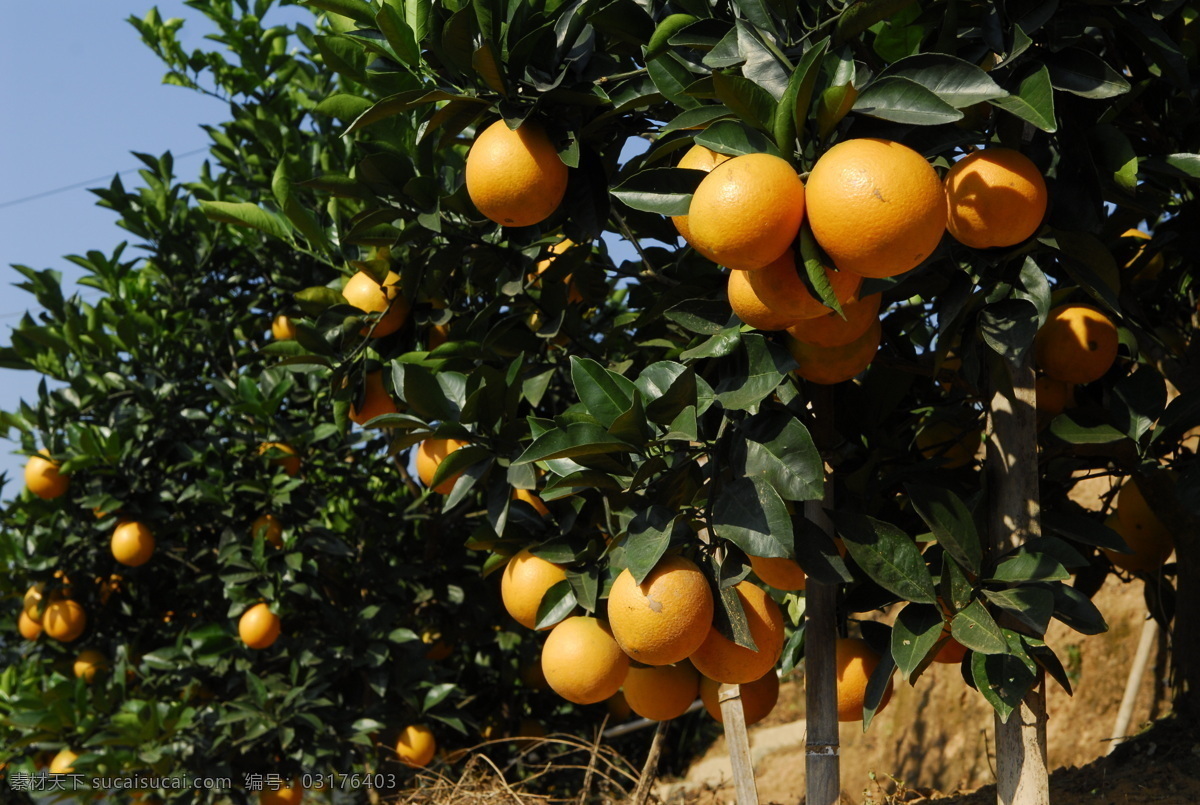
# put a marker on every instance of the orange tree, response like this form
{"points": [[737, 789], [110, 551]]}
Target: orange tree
{"points": [[634, 396]]}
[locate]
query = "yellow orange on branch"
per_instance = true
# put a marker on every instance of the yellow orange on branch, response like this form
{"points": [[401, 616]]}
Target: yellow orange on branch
{"points": [[829, 365], [1077, 344], [758, 697], [723, 660], [430, 455], [700, 158], [665, 618], [525, 582], [662, 692], [582, 662], [371, 296], [259, 627], [995, 197], [515, 177], [775, 297], [42, 477]]}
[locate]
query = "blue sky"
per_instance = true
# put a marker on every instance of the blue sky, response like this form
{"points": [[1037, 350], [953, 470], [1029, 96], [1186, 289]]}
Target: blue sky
{"points": [[77, 100]]}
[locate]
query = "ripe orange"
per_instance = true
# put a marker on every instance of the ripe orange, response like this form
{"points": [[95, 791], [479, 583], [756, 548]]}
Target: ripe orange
{"points": [[952, 651], [618, 708], [699, 158], [32, 602], [1077, 344], [1053, 396], [774, 297], [282, 329], [43, 478], [1143, 531], [290, 462], [665, 618], [995, 197], [376, 400], [515, 178], [856, 661], [758, 697], [831, 330], [415, 745], [829, 365], [955, 446], [430, 454], [526, 579], [132, 543], [290, 794], [747, 211], [64, 620], [259, 627], [876, 207], [582, 661], [780, 573], [720, 659], [573, 294], [268, 527], [28, 627], [88, 663], [662, 692], [63, 762], [530, 497], [363, 292]]}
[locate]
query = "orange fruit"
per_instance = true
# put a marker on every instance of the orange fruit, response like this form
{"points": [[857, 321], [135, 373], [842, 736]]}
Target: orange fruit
{"points": [[952, 651], [856, 661], [268, 527], [43, 478], [32, 602], [530, 497], [282, 329], [774, 297], [829, 365], [954, 445], [63, 762], [525, 581], [376, 400], [994, 197], [416, 745], [876, 207], [720, 659], [661, 692], [573, 294], [1151, 549], [747, 211], [665, 618], [831, 330], [1053, 396], [1077, 344], [64, 620], [758, 697], [700, 158], [132, 543], [28, 627], [259, 627], [515, 178], [430, 454], [88, 663], [290, 462], [618, 708], [582, 661], [290, 794], [363, 292], [780, 573]]}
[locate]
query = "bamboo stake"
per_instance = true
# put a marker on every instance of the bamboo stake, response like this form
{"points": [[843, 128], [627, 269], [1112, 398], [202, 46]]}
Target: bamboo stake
{"points": [[738, 741], [1136, 672], [822, 766], [1022, 777]]}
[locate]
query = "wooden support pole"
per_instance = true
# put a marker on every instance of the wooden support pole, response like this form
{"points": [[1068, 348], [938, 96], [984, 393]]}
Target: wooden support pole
{"points": [[737, 739], [822, 767], [1022, 777], [1134, 682]]}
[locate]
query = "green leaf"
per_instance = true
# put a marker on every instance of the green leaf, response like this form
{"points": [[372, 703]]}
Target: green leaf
{"points": [[860, 15], [1028, 565], [1076, 610], [747, 100], [556, 604], [1137, 401], [699, 117], [1083, 529], [1081, 73], [1009, 326], [951, 522], [488, 65], [703, 316], [632, 426], [976, 629], [723, 343], [343, 107], [605, 394], [956, 82], [1090, 264], [750, 514], [792, 112], [357, 10], [1033, 102], [649, 536], [888, 556], [399, 35], [1071, 432], [780, 451], [667, 27], [761, 367], [817, 553], [301, 218], [735, 138], [671, 77], [1032, 606], [1003, 680], [244, 213], [814, 267], [575, 440], [666, 191], [877, 686], [671, 389], [402, 102], [833, 105], [917, 630], [1115, 154], [903, 100]]}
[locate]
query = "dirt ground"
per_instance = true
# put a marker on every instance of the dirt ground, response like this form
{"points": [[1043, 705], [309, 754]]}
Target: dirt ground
{"points": [[937, 736]]}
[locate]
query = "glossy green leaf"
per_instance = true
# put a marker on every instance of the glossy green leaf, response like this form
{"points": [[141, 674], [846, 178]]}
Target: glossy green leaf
{"points": [[574, 441], [888, 556], [735, 138], [914, 635], [243, 213], [956, 82], [1032, 606], [1027, 565], [976, 629], [903, 100], [951, 522], [761, 366], [1033, 101], [604, 393], [649, 536], [750, 514], [666, 191], [780, 451], [556, 604]]}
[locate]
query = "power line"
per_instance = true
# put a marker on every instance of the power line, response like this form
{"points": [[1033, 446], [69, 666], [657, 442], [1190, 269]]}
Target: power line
{"points": [[85, 183]]}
